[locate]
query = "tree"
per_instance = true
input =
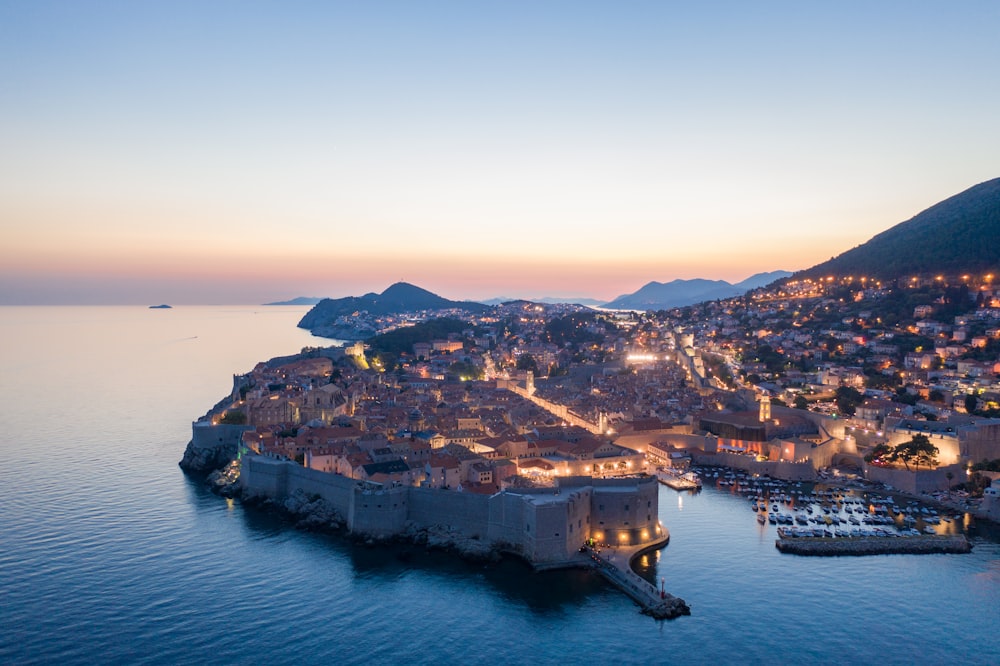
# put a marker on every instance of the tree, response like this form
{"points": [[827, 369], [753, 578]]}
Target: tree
{"points": [[527, 362], [878, 454], [801, 402], [935, 396], [971, 401], [234, 417], [918, 451], [848, 399]]}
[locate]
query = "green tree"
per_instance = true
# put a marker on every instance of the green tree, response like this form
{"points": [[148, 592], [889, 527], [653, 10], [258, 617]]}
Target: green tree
{"points": [[848, 399], [879, 453], [801, 402], [527, 362], [234, 417], [917, 451], [971, 401]]}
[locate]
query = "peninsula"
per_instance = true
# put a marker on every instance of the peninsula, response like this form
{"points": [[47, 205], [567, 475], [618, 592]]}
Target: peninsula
{"points": [[535, 429]]}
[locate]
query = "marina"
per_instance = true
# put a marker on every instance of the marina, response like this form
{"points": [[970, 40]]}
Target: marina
{"points": [[861, 519]]}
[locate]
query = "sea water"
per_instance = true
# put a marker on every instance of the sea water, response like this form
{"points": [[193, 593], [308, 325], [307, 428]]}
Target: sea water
{"points": [[110, 554]]}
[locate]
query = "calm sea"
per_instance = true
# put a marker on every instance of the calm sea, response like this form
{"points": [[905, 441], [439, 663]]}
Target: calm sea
{"points": [[110, 554]]}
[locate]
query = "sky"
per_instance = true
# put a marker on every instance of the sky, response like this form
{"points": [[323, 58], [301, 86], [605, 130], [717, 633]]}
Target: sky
{"points": [[245, 152]]}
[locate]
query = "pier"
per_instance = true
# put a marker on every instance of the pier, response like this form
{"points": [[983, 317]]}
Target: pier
{"points": [[678, 481], [615, 564]]}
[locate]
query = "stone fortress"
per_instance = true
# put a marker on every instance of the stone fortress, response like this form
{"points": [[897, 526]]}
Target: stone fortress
{"points": [[546, 526]]}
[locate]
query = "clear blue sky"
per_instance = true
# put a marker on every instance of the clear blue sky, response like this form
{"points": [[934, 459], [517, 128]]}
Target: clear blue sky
{"points": [[246, 151]]}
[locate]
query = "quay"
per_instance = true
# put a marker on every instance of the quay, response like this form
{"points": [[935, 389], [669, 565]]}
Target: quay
{"points": [[678, 481], [615, 564], [923, 544]]}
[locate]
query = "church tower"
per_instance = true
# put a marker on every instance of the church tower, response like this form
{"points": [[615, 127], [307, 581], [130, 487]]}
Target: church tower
{"points": [[765, 408]]}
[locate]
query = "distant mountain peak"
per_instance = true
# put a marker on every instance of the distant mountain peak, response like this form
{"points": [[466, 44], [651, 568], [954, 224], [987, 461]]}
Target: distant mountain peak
{"points": [[680, 292], [405, 290]]}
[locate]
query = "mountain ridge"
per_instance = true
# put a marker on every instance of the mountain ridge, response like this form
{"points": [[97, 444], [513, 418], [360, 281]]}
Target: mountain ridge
{"points": [[952, 236], [678, 293]]}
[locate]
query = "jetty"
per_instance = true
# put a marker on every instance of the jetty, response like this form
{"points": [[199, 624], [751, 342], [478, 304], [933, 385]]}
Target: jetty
{"points": [[678, 481], [615, 564], [923, 544]]}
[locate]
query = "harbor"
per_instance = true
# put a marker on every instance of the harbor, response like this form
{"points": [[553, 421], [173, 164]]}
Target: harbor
{"points": [[841, 516]]}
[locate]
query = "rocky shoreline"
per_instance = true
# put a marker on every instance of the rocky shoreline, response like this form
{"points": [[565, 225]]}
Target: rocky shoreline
{"points": [[919, 545]]}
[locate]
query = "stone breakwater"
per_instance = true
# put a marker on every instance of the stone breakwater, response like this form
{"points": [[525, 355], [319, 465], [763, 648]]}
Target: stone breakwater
{"points": [[917, 545]]}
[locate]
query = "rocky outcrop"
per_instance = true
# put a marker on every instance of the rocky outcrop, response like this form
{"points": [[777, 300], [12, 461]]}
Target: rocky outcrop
{"points": [[671, 607], [212, 447], [918, 545], [444, 537], [201, 460], [306, 512]]}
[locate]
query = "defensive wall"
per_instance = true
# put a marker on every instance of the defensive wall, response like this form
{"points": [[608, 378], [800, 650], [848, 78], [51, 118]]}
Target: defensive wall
{"points": [[778, 469], [560, 411], [917, 481], [206, 435], [545, 525]]}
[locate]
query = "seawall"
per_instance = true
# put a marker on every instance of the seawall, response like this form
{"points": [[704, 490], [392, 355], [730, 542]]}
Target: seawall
{"points": [[542, 525], [918, 545]]}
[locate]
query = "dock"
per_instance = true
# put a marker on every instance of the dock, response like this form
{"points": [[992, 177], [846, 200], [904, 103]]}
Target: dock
{"points": [[677, 481], [615, 564]]}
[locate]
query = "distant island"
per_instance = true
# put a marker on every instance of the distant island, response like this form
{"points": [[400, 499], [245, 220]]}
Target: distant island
{"points": [[162, 306], [299, 300]]}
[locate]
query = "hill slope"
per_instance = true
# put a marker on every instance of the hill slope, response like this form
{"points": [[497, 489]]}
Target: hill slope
{"points": [[959, 235]]}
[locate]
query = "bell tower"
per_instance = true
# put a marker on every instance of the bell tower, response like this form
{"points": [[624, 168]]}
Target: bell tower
{"points": [[765, 408]]}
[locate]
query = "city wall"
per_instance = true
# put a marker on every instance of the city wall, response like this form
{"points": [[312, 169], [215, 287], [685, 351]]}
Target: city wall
{"points": [[917, 481], [205, 435], [775, 468], [545, 525], [466, 512], [557, 410]]}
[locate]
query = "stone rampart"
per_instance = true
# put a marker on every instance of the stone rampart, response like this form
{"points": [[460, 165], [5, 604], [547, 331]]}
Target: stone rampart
{"points": [[377, 511], [545, 525], [212, 446], [775, 468], [466, 512], [917, 481]]}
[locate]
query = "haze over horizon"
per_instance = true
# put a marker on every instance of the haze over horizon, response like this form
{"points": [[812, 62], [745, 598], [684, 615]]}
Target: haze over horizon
{"points": [[243, 152]]}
